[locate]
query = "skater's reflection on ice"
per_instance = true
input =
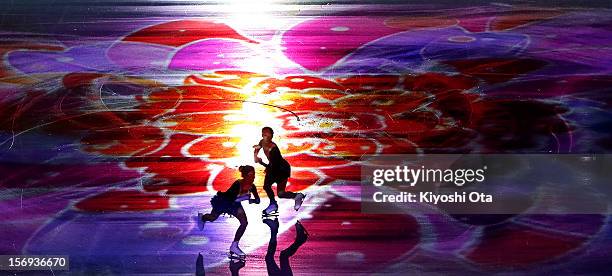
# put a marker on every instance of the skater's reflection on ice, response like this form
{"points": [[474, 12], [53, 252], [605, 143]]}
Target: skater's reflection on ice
{"points": [[200, 265], [284, 268], [273, 268], [234, 266]]}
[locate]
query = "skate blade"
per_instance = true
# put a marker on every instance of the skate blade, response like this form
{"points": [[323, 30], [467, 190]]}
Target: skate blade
{"points": [[199, 222], [302, 203], [270, 215], [233, 256]]}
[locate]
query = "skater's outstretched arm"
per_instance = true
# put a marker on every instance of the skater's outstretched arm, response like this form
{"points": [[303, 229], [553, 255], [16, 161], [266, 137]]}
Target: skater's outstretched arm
{"points": [[253, 191], [256, 149]]}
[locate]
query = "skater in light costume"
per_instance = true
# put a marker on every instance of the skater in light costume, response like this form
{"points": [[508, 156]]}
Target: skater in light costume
{"points": [[229, 202], [278, 171]]}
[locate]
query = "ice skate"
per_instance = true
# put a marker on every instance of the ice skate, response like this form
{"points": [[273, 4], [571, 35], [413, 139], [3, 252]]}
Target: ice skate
{"points": [[235, 252], [271, 210], [200, 221], [299, 198]]}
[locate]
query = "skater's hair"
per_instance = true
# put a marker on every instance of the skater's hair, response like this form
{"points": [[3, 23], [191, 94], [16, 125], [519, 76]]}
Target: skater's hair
{"points": [[268, 129], [246, 169]]}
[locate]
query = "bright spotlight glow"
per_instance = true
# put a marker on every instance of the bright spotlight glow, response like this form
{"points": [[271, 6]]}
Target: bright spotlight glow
{"points": [[249, 14]]}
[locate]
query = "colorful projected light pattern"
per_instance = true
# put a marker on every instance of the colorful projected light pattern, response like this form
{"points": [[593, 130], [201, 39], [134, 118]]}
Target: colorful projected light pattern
{"points": [[109, 144]]}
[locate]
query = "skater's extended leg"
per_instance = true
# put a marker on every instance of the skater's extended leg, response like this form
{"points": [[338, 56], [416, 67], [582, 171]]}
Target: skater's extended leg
{"points": [[280, 188], [211, 217], [298, 197], [202, 219]]}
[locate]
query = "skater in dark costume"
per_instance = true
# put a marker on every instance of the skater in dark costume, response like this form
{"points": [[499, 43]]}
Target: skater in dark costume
{"points": [[228, 202], [285, 268], [278, 171]]}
